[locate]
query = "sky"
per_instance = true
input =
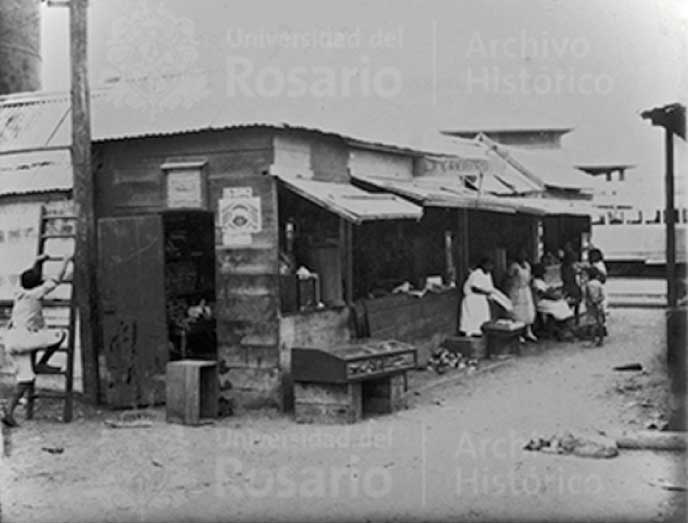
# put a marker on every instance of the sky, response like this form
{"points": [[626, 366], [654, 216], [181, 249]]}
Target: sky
{"points": [[405, 68]]}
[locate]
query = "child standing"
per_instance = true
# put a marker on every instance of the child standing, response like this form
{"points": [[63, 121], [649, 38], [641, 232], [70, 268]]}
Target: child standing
{"points": [[594, 303], [27, 332]]}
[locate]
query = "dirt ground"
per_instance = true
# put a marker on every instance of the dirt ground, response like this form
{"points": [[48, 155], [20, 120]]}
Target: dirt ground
{"points": [[456, 454]]}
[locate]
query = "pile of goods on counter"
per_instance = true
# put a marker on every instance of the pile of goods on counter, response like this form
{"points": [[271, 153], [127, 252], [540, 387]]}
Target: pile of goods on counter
{"points": [[402, 357], [432, 284], [443, 359]]}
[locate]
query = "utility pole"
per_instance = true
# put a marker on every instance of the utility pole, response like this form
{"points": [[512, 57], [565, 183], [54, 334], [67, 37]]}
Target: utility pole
{"points": [[670, 218], [673, 119], [85, 250]]}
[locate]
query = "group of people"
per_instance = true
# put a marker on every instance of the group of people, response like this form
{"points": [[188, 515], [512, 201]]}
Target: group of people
{"points": [[554, 309]]}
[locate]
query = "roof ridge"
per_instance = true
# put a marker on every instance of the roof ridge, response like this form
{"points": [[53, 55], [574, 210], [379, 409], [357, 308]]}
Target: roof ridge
{"points": [[32, 97]]}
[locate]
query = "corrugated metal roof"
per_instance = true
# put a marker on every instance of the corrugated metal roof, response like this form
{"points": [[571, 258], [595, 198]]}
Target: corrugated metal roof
{"points": [[543, 167], [555, 206], [42, 119], [352, 203], [29, 123], [35, 172], [446, 191], [551, 167]]}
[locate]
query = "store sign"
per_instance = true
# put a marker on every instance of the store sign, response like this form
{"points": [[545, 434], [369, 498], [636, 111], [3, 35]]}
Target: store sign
{"points": [[240, 216], [185, 188]]}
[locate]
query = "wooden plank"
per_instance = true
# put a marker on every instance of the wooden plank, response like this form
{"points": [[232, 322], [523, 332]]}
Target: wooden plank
{"points": [[330, 159], [347, 243], [403, 318], [250, 356]]}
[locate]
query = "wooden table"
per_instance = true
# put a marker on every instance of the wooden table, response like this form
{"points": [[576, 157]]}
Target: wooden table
{"points": [[341, 384]]}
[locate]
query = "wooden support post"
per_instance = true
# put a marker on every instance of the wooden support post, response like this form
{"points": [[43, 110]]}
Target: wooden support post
{"points": [[672, 118], [670, 220], [85, 259], [462, 245], [346, 243], [449, 263]]}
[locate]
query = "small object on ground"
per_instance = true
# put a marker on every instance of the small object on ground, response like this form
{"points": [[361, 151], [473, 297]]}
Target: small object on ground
{"points": [[585, 447], [53, 450], [629, 366], [668, 486], [657, 424], [155, 463], [442, 359], [9, 421], [131, 420], [119, 424]]}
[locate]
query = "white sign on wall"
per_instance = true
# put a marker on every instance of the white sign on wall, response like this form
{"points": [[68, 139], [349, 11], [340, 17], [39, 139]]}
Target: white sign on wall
{"points": [[240, 216], [18, 243], [185, 188]]}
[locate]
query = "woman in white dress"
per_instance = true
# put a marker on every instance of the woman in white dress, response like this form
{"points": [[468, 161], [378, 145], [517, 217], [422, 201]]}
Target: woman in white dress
{"points": [[475, 309], [521, 294]]}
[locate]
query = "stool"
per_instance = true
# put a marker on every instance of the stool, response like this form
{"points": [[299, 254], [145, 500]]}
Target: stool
{"points": [[503, 339], [191, 391]]}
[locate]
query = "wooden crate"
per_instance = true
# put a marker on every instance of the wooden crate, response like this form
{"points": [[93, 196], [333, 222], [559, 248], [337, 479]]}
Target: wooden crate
{"points": [[327, 402], [503, 343], [191, 391]]}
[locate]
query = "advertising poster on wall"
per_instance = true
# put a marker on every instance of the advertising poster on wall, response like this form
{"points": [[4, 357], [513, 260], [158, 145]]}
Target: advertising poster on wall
{"points": [[240, 216], [18, 243]]}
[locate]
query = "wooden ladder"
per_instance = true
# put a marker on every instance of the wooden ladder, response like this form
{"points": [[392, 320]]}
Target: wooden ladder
{"points": [[51, 226]]}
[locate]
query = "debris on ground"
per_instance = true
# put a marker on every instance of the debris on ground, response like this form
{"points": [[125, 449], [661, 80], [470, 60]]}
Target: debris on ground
{"points": [[629, 367], [658, 423], [53, 450], [668, 486], [130, 420], [443, 359], [586, 447]]}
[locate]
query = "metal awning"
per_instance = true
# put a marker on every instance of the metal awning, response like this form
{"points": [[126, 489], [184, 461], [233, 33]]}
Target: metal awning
{"points": [[447, 191], [351, 203], [556, 206], [35, 172]]}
